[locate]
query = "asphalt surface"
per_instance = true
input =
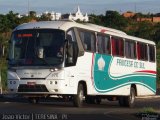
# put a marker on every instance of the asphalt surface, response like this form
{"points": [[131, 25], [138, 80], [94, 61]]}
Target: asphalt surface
{"points": [[19, 108], [13, 107]]}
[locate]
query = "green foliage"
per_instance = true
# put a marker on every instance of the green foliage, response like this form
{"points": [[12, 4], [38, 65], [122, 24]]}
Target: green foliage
{"points": [[115, 20], [98, 20], [32, 14], [156, 36], [45, 17], [145, 30], [148, 110], [3, 72], [8, 22], [4, 24]]}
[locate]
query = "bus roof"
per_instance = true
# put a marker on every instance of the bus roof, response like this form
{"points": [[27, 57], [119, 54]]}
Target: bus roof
{"points": [[66, 24]]}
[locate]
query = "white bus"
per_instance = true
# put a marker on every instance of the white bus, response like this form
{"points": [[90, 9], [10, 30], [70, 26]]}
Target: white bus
{"points": [[80, 61]]}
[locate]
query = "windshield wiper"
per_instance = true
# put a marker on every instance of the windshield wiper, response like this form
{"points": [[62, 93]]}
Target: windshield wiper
{"points": [[44, 61]]}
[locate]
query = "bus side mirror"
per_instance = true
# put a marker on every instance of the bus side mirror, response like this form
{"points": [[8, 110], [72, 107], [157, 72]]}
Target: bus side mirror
{"points": [[70, 53]]}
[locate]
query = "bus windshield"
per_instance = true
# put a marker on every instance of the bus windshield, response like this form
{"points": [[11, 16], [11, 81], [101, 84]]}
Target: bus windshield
{"points": [[36, 47]]}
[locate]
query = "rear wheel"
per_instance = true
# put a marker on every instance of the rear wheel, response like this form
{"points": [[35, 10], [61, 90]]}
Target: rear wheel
{"points": [[128, 101], [78, 99]]}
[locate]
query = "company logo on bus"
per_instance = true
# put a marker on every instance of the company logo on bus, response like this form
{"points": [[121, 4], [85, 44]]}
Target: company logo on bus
{"points": [[101, 63]]}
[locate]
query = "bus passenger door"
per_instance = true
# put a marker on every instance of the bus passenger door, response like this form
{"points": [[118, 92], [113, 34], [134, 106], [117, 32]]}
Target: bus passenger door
{"points": [[71, 55]]}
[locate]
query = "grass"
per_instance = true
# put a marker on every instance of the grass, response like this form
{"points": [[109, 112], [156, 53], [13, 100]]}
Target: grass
{"points": [[148, 112]]}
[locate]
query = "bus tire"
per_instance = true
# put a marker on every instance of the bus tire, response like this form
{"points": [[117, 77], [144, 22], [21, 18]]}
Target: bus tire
{"points": [[78, 99], [130, 100]]}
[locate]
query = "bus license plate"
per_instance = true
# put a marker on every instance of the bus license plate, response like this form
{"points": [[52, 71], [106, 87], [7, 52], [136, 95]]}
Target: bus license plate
{"points": [[31, 83]]}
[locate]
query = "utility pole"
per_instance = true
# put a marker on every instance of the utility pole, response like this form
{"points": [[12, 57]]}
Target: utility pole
{"points": [[28, 7], [135, 7]]}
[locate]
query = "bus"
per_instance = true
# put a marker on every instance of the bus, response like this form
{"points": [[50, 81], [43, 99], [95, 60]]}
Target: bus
{"points": [[81, 62]]}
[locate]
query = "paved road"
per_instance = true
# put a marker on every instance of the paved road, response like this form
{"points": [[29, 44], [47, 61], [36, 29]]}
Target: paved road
{"points": [[19, 108]]}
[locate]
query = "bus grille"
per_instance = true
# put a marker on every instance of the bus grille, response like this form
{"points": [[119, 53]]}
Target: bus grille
{"points": [[32, 88]]}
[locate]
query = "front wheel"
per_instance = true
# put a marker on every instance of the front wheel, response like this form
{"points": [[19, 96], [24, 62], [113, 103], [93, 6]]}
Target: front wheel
{"points": [[78, 99]]}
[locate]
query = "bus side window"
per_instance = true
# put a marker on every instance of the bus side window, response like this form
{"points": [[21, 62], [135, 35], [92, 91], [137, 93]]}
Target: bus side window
{"points": [[103, 44], [138, 51], [89, 40], [72, 51], [117, 46], [113, 47], [142, 53], [151, 54], [130, 51]]}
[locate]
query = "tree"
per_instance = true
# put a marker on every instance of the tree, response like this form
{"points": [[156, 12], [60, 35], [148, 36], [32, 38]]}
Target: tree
{"points": [[96, 19], [12, 19], [32, 14], [45, 17], [156, 36], [145, 30], [4, 24], [115, 20]]}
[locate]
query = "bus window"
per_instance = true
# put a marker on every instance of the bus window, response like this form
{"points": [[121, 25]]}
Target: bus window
{"points": [[142, 51], [130, 49], [103, 44], [88, 39], [151, 53], [72, 36], [117, 46], [72, 52]]}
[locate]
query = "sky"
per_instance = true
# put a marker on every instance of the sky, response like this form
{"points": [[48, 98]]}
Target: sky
{"points": [[86, 6]]}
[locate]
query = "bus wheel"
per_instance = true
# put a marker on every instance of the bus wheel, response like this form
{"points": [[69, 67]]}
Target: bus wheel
{"points": [[78, 99], [130, 100], [33, 100]]}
